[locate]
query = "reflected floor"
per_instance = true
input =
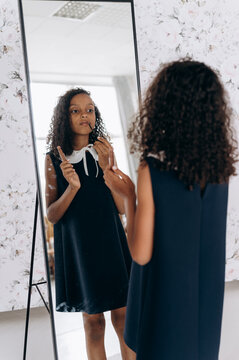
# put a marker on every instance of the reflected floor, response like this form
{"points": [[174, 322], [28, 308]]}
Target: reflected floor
{"points": [[71, 336]]}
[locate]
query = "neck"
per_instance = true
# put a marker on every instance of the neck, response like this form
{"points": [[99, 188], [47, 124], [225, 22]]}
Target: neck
{"points": [[80, 141]]}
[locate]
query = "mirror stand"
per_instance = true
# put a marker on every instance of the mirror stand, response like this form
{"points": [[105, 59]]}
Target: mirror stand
{"points": [[38, 208], [31, 284]]}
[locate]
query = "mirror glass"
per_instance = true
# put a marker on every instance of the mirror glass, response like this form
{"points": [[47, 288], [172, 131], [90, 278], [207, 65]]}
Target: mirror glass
{"points": [[89, 45]]}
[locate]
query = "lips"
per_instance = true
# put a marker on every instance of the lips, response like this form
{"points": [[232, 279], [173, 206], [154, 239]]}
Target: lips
{"points": [[84, 123]]}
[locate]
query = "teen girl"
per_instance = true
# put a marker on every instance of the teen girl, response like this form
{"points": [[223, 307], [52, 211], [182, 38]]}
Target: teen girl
{"points": [[92, 260], [176, 234]]}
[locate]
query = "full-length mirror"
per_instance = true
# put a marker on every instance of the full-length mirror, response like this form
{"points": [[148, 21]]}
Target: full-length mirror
{"points": [[84, 92]]}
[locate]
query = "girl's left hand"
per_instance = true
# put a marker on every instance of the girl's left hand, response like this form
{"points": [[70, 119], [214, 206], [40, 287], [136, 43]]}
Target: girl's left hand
{"points": [[103, 149]]}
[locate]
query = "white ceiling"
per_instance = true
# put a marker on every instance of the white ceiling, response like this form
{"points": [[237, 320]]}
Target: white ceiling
{"points": [[101, 45]]}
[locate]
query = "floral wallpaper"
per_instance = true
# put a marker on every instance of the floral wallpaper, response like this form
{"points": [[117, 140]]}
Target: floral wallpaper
{"points": [[17, 176], [206, 30]]}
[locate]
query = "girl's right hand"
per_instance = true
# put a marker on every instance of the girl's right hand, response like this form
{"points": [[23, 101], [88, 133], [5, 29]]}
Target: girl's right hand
{"points": [[68, 171], [117, 181]]}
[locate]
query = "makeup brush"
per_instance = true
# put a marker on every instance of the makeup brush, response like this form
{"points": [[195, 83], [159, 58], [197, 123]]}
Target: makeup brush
{"points": [[92, 130]]}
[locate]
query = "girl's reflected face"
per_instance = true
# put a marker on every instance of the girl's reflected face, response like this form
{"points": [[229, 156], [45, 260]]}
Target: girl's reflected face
{"points": [[82, 114]]}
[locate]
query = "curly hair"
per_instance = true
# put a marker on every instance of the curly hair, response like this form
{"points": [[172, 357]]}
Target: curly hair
{"points": [[184, 123], [60, 132]]}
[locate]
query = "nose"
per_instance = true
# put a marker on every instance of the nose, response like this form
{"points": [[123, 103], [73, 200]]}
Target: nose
{"points": [[84, 116]]}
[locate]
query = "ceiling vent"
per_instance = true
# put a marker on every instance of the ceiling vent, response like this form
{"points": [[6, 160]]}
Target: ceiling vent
{"points": [[77, 10]]}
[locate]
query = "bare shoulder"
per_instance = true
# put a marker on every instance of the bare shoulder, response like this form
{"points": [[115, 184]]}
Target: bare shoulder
{"points": [[143, 172], [48, 159], [49, 167], [144, 182], [51, 182]]}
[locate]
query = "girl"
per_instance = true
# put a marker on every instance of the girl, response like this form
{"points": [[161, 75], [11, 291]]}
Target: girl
{"points": [[176, 235], [92, 260]]}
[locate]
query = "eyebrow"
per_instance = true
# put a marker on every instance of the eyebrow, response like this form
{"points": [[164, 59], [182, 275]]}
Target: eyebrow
{"points": [[79, 105]]}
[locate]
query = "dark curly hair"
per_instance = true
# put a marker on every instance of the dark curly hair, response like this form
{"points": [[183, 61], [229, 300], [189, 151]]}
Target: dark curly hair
{"points": [[185, 121], [60, 132]]}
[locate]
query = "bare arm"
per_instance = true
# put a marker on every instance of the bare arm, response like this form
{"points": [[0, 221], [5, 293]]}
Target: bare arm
{"points": [[56, 207], [103, 148], [118, 202], [140, 223], [140, 220]]}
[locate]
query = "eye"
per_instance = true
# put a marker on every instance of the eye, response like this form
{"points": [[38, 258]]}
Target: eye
{"points": [[90, 110], [74, 111]]}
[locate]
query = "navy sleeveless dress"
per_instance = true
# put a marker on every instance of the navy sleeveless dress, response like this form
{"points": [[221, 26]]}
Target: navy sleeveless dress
{"points": [[92, 259], [175, 301]]}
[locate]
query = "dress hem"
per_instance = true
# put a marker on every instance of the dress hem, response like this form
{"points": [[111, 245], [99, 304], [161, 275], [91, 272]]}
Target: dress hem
{"points": [[63, 307], [133, 348]]}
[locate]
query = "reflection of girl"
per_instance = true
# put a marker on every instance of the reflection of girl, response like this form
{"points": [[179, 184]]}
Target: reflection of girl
{"points": [[177, 234], [92, 260]]}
